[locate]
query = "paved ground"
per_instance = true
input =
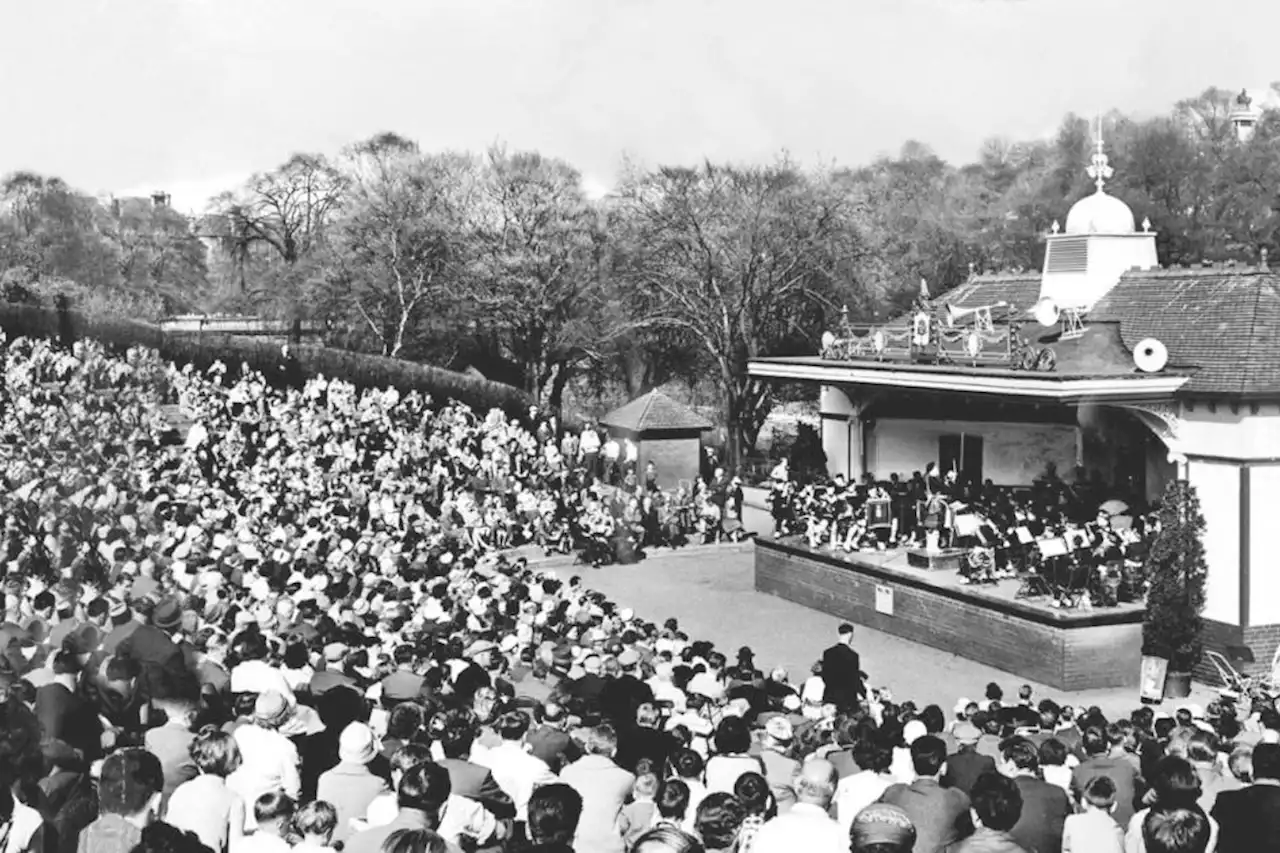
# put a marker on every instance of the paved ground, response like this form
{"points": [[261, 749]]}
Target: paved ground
{"points": [[711, 591]]}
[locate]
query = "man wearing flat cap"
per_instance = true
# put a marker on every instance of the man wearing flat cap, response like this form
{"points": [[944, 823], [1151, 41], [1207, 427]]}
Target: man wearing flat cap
{"points": [[476, 674], [966, 764], [624, 693], [152, 647]]}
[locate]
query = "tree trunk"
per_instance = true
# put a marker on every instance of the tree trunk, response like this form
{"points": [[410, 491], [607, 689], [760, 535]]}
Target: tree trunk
{"points": [[637, 372], [555, 400]]}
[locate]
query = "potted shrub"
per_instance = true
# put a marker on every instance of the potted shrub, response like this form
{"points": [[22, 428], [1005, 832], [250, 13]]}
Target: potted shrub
{"points": [[1175, 571]]}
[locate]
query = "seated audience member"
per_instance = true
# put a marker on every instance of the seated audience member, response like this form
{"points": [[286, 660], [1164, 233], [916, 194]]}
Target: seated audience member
{"points": [[129, 790], [1247, 816], [314, 825], [1184, 830], [1174, 785], [1045, 807], [807, 826], [205, 805], [940, 815], [554, 812], [420, 797], [273, 816], [881, 828], [997, 808], [1094, 829], [966, 764], [667, 839]]}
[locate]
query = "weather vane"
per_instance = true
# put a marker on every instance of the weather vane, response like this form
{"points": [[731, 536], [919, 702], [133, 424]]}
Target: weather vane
{"points": [[1099, 170]]}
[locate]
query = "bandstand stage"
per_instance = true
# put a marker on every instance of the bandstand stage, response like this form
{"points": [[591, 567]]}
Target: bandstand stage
{"points": [[1104, 364], [1067, 649]]}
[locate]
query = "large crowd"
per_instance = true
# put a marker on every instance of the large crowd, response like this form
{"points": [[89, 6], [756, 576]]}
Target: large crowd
{"points": [[302, 628]]}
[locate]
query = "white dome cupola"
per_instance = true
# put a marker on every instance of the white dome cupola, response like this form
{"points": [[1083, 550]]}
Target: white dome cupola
{"points": [[1100, 243], [1100, 213]]}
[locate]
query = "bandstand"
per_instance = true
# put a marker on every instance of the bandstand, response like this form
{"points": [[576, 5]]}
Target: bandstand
{"points": [[1103, 363]]}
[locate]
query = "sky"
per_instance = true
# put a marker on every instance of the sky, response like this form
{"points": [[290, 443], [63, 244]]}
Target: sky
{"points": [[194, 96]]}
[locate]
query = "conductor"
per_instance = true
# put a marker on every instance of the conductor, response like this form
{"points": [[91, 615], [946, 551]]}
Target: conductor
{"points": [[842, 672]]}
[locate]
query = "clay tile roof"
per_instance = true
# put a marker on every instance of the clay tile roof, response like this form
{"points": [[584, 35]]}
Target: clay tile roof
{"points": [[1225, 321], [1021, 290], [655, 411]]}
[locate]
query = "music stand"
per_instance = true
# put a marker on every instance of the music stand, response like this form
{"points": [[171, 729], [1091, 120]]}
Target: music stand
{"points": [[1053, 548]]}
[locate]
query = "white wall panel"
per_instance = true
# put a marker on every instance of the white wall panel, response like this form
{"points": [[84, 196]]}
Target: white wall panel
{"points": [[1218, 487], [1013, 454], [1264, 561]]}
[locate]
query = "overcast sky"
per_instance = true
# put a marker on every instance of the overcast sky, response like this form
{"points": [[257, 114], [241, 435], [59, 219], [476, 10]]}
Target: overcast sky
{"points": [[194, 95]]}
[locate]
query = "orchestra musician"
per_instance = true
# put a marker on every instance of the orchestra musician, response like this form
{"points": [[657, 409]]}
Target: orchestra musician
{"points": [[1091, 560]]}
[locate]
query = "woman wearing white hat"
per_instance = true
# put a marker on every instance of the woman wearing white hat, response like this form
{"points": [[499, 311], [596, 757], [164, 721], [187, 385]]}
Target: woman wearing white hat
{"points": [[270, 759]]}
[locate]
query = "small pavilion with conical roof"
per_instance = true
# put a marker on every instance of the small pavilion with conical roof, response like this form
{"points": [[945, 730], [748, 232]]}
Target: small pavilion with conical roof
{"points": [[667, 433]]}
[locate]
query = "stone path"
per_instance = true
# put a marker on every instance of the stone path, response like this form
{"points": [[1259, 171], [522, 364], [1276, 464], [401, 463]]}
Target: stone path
{"points": [[710, 589]]}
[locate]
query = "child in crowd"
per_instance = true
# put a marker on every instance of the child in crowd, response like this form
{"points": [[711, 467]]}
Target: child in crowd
{"points": [[673, 805], [638, 816], [1094, 830], [273, 813]]}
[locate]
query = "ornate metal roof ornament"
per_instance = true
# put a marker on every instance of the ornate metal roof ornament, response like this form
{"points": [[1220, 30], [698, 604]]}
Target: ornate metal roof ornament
{"points": [[1099, 168]]}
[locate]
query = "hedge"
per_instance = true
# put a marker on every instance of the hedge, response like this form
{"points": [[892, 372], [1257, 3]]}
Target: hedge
{"points": [[264, 356]]}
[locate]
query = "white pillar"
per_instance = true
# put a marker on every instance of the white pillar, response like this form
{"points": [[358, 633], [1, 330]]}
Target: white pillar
{"points": [[840, 431]]}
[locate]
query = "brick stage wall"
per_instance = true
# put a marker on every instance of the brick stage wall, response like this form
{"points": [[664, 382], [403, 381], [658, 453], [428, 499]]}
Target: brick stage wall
{"points": [[1262, 640], [1083, 656]]}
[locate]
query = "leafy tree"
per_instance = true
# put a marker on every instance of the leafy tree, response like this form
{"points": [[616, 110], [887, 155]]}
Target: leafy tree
{"points": [[157, 255], [744, 262], [1176, 571], [538, 284], [402, 247], [286, 210]]}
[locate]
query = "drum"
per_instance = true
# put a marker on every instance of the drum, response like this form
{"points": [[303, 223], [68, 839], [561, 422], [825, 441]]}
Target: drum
{"points": [[879, 513]]}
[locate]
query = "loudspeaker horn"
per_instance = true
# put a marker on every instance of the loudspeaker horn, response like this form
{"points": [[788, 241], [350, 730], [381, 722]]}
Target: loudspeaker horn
{"points": [[1046, 311], [1150, 356]]}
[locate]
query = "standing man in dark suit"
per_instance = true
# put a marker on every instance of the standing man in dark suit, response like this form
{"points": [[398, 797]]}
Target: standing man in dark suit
{"points": [[1249, 819], [842, 672]]}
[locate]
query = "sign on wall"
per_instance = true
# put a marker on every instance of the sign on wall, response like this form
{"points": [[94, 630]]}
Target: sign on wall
{"points": [[884, 600]]}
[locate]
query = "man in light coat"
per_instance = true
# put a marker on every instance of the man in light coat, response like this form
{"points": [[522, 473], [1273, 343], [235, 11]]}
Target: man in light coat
{"points": [[604, 787]]}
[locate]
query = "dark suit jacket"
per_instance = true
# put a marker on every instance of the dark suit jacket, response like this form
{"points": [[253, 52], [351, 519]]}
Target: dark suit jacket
{"points": [[842, 675], [477, 783], [1045, 808], [636, 742], [964, 768], [553, 746], [164, 669], [1248, 819], [67, 717], [940, 815], [1121, 773]]}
